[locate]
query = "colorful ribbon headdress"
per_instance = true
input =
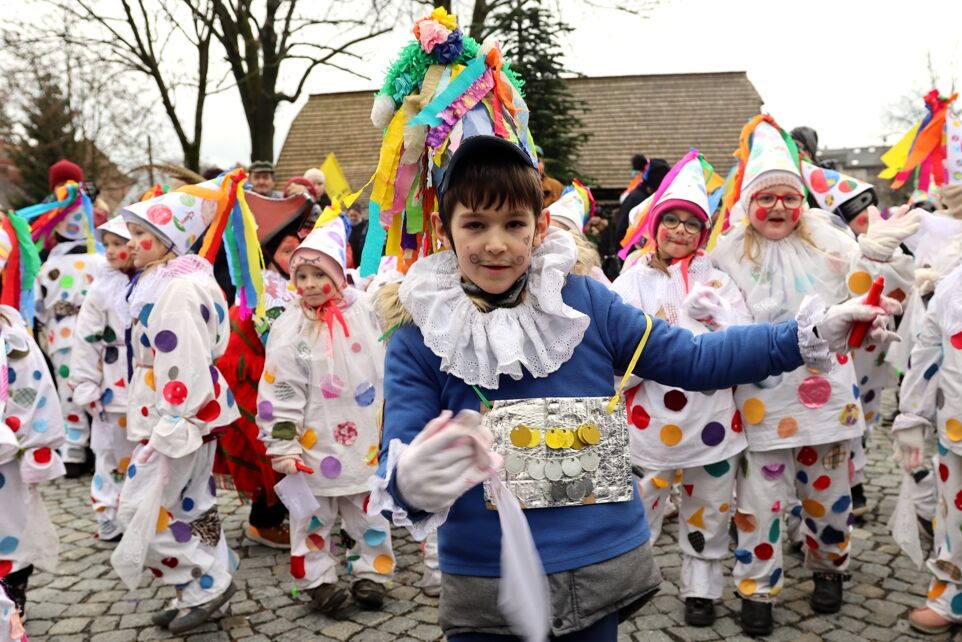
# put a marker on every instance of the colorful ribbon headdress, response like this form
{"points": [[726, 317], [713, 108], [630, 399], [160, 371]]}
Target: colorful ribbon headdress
{"points": [[71, 200], [21, 268], [921, 152], [443, 88]]}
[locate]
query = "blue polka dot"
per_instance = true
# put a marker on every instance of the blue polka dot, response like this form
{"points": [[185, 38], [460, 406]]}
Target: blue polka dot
{"points": [[796, 510], [863, 381], [187, 504], [841, 504], [220, 312], [230, 398], [39, 425], [145, 314], [8, 545], [74, 435], [957, 604], [374, 537], [144, 341], [3, 480], [930, 372], [776, 575], [206, 581], [855, 391], [810, 523], [131, 471], [37, 375], [802, 477], [204, 312], [943, 451], [107, 397], [98, 482], [42, 402], [11, 375], [743, 556], [869, 396]]}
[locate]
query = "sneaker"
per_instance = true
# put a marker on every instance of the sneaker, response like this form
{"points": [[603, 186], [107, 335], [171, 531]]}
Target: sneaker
{"points": [[928, 621], [164, 618], [699, 611], [75, 470], [430, 583], [270, 536], [827, 596], [326, 598], [859, 504], [368, 593], [187, 619], [756, 618]]}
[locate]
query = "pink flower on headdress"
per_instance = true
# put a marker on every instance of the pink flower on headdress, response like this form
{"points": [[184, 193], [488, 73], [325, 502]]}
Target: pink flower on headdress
{"points": [[430, 33]]}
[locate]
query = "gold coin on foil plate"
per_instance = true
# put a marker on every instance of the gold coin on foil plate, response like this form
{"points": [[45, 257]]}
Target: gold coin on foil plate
{"points": [[520, 436], [535, 438], [555, 438], [589, 434]]}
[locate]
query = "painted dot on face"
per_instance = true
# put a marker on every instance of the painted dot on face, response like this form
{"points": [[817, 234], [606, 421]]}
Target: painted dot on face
{"points": [[326, 289], [147, 244]]}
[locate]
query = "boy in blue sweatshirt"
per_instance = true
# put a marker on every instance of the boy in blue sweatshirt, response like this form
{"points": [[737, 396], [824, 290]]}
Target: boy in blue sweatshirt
{"points": [[497, 323]]}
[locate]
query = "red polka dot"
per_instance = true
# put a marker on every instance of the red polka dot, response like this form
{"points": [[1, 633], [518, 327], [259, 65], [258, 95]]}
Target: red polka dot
{"points": [[175, 392], [5, 567], [675, 400], [811, 543], [209, 412], [13, 423], [764, 551], [144, 411], [639, 418], [842, 358], [958, 500], [943, 472], [156, 571], [737, 422], [297, 567], [840, 560], [957, 340], [42, 456], [822, 483], [870, 348], [367, 500], [72, 418], [807, 456]]}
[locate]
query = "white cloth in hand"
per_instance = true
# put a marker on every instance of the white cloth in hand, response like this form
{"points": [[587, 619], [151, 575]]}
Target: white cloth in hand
{"points": [[925, 280], [885, 235], [286, 464], [446, 459], [703, 303], [909, 444]]}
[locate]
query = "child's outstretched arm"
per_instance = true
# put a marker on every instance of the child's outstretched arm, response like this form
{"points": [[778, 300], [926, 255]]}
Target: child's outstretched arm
{"points": [[86, 355]]}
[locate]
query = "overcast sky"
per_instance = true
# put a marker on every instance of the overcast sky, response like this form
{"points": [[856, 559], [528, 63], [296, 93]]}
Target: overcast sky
{"points": [[835, 65]]}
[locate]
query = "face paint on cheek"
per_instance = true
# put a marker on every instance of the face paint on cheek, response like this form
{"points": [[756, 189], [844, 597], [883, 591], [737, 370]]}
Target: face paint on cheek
{"points": [[796, 214], [662, 235], [474, 258], [326, 289], [519, 260], [761, 213], [147, 244], [122, 255]]}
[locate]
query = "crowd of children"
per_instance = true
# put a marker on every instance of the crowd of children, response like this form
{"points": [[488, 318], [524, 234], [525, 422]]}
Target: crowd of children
{"points": [[474, 363]]}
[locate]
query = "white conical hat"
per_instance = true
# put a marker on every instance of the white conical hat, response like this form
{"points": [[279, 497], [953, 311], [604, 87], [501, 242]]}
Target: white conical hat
{"points": [[831, 188], [114, 225], [953, 150], [324, 248], [177, 218], [769, 153], [688, 185]]}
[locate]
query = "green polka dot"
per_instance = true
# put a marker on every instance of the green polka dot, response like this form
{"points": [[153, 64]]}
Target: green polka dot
{"points": [[66, 282], [775, 532], [63, 371], [109, 334], [284, 430], [718, 469]]}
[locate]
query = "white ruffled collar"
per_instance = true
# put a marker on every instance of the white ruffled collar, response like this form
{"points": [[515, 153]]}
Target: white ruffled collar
{"points": [[151, 285], [539, 334]]}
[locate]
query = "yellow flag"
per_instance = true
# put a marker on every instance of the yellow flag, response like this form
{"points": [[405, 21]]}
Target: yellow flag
{"points": [[335, 185], [895, 157]]}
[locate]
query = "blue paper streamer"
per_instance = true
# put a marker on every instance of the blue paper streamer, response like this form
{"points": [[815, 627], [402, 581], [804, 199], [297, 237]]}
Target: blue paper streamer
{"points": [[374, 242], [429, 115]]}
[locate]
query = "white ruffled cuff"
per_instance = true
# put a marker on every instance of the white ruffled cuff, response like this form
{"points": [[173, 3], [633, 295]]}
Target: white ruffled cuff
{"points": [[175, 437], [815, 351], [381, 500], [907, 421], [40, 465]]}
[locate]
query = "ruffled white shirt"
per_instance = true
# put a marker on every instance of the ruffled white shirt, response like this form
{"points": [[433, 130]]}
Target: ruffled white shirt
{"points": [[539, 334]]}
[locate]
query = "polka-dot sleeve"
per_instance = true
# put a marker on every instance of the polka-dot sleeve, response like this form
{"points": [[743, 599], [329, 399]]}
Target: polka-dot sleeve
{"points": [[917, 395], [86, 354], [32, 411], [282, 393], [185, 381], [899, 274]]}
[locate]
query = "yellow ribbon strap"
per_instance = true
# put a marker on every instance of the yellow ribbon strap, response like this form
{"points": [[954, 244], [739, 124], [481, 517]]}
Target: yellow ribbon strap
{"points": [[613, 403]]}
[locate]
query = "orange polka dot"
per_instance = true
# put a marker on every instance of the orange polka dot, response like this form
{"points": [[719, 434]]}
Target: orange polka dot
{"points": [[64, 332], [813, 508], [149, 379], [383, 564], [787, 427], [122, 465], [859, 282], [163, 520], [937, 589], [747, 587], [269, 376], [754, 411], [677, 476], [308, 439], [658, 482], [723, 508], [670, 434], [122, 421], [953, 429], [372, 455], [79, 265]]}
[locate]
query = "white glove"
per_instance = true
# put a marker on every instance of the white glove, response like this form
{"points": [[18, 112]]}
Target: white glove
{"points": [[703, 303], [925, 280], [446, 459], [837, 323], [884, 236], [909, 444], [286, 464]]}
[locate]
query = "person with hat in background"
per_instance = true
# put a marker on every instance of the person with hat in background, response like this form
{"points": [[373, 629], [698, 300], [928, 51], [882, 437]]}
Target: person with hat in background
{"points": [[179, 401], [70, 268], [98, 374], [261, 179], [655, 171], [241, 455], [317, 406], [569, 213]]}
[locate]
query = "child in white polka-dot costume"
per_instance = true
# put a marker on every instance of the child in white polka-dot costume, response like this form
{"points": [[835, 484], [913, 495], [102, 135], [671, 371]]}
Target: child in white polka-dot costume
{"points": [[931, 404], [694, 437], [317, 407], [30, 431], [98, 375], [799, 425]]}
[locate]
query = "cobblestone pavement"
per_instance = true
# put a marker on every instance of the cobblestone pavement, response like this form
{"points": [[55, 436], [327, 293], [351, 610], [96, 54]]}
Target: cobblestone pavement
{"points": [[86, 601]]}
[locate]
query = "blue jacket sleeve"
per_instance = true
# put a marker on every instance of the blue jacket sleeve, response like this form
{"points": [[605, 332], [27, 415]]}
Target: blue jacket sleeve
{"points": [[711, 361], [412, 398]]}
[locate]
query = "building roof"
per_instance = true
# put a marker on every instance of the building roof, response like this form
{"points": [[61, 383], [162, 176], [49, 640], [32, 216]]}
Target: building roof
{"points": [[869, 156], [661, 116]]}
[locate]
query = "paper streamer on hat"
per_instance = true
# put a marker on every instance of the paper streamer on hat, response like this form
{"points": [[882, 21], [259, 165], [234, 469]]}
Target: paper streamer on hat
{"points": [[69, 197], [922, 149], [21, 269], [523, 594]]}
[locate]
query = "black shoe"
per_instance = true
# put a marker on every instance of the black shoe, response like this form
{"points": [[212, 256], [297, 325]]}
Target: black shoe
{"points": [[326, 598], [756, 617], [925, 525], [75, 470], [859, 505], [827, 596], [368, 594], [699, 611]]}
